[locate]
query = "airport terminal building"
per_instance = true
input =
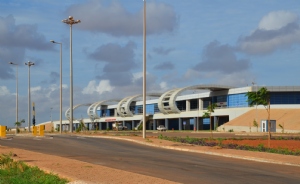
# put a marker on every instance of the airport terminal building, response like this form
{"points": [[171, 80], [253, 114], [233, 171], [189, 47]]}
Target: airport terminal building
{"points": [[183, 108]]}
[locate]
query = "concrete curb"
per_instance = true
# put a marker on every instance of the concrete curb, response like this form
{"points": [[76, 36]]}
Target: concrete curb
{"points": [[204, 152]]}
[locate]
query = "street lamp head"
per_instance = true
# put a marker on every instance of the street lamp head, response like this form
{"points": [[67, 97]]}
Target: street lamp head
{"points": [[29, 63], [55, 42], [12, 63], [71, 21]]}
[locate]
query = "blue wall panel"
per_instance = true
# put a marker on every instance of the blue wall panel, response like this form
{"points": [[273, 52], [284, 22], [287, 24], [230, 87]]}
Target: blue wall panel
{"points": [[285, 98], [237, 100]]}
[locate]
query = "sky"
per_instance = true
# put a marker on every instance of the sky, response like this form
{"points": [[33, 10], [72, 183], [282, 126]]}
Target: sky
{"points": [[233, 43]]}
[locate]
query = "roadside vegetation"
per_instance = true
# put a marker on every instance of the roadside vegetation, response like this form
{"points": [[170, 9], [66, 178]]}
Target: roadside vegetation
{"points": [[17, 172], [219, 143]]}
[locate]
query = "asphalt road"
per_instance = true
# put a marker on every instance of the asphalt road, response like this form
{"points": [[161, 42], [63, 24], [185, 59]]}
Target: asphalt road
{"points": [[172, 165]]}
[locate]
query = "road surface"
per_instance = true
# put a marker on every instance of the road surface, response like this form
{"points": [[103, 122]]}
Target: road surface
{"points": [[183, 167]]}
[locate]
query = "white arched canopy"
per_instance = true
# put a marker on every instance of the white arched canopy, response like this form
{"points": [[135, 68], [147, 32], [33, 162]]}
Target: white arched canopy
{"points": [[92, 110], [67, 114], [167, 101], [123, 108]]}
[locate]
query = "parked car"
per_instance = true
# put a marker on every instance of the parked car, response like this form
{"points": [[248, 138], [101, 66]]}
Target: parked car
{"points": [[119, 126], [161, 128]]}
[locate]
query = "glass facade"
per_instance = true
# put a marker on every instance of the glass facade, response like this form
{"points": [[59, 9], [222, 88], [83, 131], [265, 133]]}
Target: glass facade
{"points": [[285, 98], [206, 121], [233, 100], [150, 109], [194, 104], [206, 102], [218, 99], [181, 105], [237, 100]]}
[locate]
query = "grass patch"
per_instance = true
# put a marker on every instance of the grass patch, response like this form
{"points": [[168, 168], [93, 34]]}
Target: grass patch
{"points": [[17, 172], [219, 142], [148, 140]]}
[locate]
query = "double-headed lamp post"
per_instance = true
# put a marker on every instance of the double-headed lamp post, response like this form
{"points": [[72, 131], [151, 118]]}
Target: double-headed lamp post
{"points": [[17, 103], [29, 63], [60, 96], [71, 21]]}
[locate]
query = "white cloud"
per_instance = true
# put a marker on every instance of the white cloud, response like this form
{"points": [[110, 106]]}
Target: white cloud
{"points": [[115, 20], [35, 89], [277, 30], [3, 91], [236, 79], [164, 86], [103, 86], [137, 76], [191, 74], [276, 20]]}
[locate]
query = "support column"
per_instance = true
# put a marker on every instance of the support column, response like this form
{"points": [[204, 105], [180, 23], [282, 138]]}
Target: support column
{"points": [[154, 124], [132, 123], [123, 123], [100, 126], [167, 123], [200, 102], [180, 124], [107, 126], [195, 124], [115, 112], [215, 122], [188, 105]]}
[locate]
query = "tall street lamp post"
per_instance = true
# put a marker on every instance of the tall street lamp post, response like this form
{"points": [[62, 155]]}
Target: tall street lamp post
{"points": [[17, 103], [29, 63], [51, 114], [60, 96], [144, 71], [71, 21]]}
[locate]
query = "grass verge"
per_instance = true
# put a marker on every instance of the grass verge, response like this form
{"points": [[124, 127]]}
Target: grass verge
{"points": [[218, 142], [17, 172]]}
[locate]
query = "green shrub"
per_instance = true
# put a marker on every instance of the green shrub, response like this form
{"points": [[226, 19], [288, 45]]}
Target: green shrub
{"points": [[18, 172]]}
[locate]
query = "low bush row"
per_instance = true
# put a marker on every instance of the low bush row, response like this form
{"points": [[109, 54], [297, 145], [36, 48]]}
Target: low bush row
{"points": [[218, 142]]}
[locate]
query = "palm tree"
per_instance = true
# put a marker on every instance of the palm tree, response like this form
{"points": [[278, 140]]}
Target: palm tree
{"points": [[207, 114], [17, 124], [261, 97]]}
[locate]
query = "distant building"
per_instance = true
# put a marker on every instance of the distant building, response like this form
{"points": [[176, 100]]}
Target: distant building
{"points": [[182, 109]]}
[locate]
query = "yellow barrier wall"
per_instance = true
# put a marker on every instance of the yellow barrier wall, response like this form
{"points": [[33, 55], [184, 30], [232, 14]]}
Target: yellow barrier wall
{"points": [[2, 131], [42, 129], [34, 130]]}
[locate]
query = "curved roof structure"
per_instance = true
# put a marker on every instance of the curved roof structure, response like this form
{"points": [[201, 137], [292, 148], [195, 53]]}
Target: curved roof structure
{"points": [[92, 110], [167, 104], [123, 108], [67, 114]]}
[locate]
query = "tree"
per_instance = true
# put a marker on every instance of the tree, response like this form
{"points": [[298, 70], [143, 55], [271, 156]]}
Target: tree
{"points": [[81, 126], [207, 114], [17, 124], [255, 124], [261, 97]]}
